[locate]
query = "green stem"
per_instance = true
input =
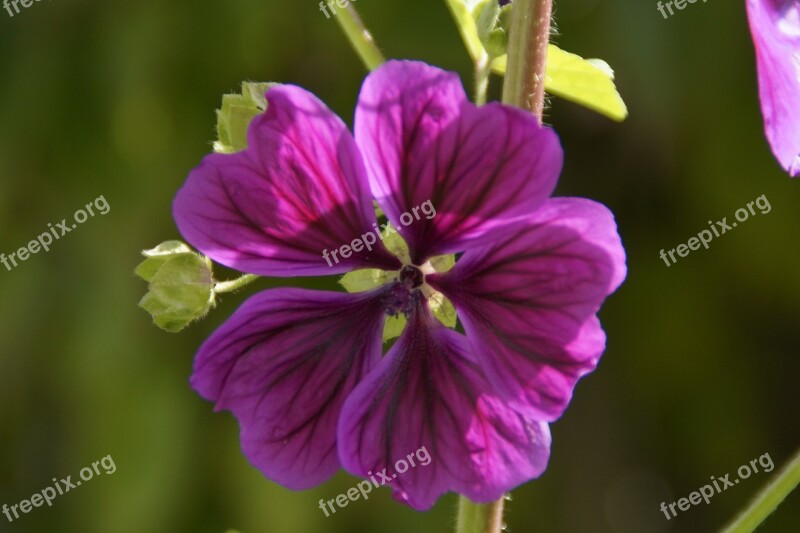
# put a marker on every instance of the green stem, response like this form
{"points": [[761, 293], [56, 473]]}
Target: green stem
{"points": [[483, 69], [234, 284], [479, 518], [768, 500], [359, 37], [529, 36]]}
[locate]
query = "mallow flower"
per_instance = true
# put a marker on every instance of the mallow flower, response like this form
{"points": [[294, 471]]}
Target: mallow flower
{"points": [[775, 25], [303, 370]]}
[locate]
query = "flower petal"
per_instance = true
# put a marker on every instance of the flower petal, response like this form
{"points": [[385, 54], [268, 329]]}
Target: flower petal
{"points": [[481, 167], [428, 407], [298, 189], [283, 364], [775, 25], [528, 301]]}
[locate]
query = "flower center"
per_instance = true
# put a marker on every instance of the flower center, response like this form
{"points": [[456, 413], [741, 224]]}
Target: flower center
{"points": [[411, 277], [406, 291], [401, 299]]}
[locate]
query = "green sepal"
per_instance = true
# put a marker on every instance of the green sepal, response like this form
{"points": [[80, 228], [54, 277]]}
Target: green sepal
{"points": [[393, 327], [443, 309], [378, 211], [158, 256], [443, 263], [366, 279]]}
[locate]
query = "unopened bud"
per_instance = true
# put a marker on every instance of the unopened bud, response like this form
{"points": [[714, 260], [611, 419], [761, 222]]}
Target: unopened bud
{"points": [[181, 285]]}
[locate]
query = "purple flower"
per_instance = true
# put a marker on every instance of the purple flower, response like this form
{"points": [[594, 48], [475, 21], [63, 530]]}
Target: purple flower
{"points": [[303, 370], [775, 25]]}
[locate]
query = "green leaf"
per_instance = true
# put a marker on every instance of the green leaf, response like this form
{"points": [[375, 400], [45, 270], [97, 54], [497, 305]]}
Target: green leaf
{"points": [[588, 82]]}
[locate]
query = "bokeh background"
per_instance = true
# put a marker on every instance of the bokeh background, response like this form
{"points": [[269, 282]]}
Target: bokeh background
{"points": [[118, 99]]}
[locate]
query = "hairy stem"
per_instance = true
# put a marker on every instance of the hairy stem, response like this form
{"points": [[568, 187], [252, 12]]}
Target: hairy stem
{"points": [[234, 284], [529, 36]]}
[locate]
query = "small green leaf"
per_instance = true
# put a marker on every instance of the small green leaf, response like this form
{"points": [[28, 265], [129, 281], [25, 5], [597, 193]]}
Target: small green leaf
{"points": [[588, 82]]}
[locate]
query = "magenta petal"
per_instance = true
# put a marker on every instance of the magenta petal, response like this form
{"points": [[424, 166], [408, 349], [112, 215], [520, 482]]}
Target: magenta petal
{"points": [[481, 167], [283, 364], [299, 189], [428, 404], [528, 301], [775, 25]]}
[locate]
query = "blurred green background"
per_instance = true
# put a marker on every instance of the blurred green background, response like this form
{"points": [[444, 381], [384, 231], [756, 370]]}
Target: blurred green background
{"points": [[118, 98]]}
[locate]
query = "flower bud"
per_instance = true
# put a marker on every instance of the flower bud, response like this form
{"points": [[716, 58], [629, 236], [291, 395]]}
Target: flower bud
{"points": [[181, 285], [492, 21], [238, 110]]}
